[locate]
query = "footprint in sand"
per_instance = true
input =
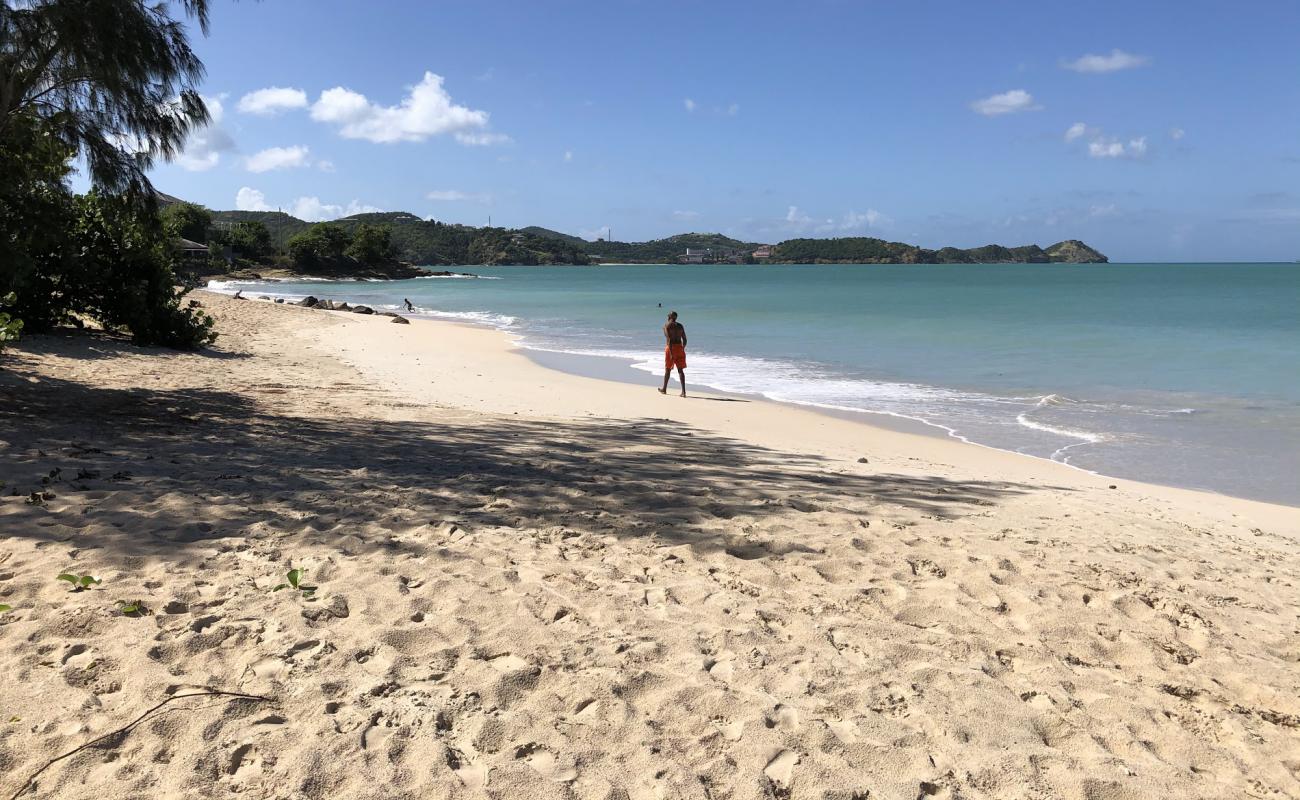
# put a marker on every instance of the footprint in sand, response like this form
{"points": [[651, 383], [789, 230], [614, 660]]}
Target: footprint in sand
{"points": [[785, 718], [723, 667], [507, 663], [780, 770], [245, 764], [472, 775], [545, 763], [731, 730]]}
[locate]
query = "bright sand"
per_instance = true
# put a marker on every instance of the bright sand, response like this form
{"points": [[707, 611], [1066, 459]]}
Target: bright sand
{"points": [[534, 584]]}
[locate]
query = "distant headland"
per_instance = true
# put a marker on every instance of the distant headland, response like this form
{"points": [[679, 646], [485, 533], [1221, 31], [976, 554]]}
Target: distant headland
{"points": [[388, 244]]}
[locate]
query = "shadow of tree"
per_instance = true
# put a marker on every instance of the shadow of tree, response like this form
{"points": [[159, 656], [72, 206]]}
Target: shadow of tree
{"points": [[97, 344], [144, 449]]}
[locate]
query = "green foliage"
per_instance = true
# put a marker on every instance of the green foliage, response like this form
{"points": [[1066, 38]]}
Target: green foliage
{"points": [[866, 250], [80, 582], [371, 244], [10, 326], [5, 608], [123, 275], [111, 82], [251, 239], [318, 246], [294, 581], [187, 220], [114, 81], [132, 608]]}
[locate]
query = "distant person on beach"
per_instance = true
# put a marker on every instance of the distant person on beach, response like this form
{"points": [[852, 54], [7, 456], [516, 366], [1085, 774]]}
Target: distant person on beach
{"points": [[674, 352], [409, 307]]}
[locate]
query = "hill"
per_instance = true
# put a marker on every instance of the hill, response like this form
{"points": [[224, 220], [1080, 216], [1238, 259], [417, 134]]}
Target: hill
{"points": [[430, 242], [434, 243], [866, 250], [655, 251]]}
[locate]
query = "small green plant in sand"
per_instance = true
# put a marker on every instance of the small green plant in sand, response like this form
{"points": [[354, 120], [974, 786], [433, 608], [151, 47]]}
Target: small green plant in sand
{"points": [[133, 608], [80, 582], [293, 580], [4, 609]]}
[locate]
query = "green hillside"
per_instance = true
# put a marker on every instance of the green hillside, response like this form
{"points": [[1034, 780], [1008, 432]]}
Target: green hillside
{"points": [[434, 243], [429, 242], [866, 250], [655, 251]]}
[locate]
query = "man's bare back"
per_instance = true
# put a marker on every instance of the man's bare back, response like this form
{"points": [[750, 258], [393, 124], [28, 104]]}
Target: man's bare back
{"points": [[674, 352]]}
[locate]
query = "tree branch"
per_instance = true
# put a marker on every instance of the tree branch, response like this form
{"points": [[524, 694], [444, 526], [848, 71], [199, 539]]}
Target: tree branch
{"points": [[127, 727]]}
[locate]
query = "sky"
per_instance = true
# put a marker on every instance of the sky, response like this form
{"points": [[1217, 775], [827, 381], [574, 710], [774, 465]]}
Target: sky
{"points": [[1154, 131]]}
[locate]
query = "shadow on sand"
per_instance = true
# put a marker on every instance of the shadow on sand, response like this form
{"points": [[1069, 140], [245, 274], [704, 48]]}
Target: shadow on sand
{"points": [[628, 478]]}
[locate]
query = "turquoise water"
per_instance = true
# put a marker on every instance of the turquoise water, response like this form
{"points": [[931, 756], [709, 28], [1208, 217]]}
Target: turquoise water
{"points": [[1185, 374]]}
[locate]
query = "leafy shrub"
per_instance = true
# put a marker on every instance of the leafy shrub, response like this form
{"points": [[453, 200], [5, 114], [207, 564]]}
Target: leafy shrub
{"points": [[10, 326]]}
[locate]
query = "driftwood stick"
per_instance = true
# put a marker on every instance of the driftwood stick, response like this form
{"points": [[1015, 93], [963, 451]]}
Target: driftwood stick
{"points": [[127, 727]]}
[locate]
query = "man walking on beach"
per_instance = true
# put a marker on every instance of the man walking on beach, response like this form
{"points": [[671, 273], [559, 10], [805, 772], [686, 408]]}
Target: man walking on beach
{"points": [[674, 352]]}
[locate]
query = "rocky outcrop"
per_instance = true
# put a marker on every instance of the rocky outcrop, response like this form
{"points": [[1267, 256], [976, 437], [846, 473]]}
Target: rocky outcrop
{"points": [[401, 320]]}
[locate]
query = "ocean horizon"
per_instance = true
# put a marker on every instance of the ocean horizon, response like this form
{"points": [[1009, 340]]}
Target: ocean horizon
{"points": [[1175, 373]]}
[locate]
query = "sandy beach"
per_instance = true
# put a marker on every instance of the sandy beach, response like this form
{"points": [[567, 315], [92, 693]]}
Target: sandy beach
{"points": [[536, 584]]}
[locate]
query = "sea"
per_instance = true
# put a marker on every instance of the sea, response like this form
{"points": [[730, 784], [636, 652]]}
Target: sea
{"points": [[1179, 374]]}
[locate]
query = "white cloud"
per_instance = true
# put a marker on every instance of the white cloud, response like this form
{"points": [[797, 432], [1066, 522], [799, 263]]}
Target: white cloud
{"points": [[455, 195], [1106, 147], [311, 209], [250, 199], [689, 103], [272, 101], [482, 139], [427, 110], [797, 221], [568, 155], [1010, 102], [686, 215], [1109, 147], [870, 218], [1102, 146], [204, 146], [1116, 61], [733, 109], [278, 158], [1177, 133], [325, 165]]}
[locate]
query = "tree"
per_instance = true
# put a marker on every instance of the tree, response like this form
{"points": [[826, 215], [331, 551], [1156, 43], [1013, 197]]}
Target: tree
{"points": [[115, 81], [371, 244], [248, 239], [188, 221], [122, 275], [319, 245]]}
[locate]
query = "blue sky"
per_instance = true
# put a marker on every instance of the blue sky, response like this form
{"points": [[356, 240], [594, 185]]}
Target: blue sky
{"points": [[1154, 131]]}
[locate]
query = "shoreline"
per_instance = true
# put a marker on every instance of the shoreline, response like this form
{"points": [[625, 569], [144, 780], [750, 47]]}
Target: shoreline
{"points": [[489, 341], [529, 583], [588, 365]]}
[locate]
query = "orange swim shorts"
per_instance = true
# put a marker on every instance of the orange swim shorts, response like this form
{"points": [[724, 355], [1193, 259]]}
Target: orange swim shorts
{"points": [[675, 356]]}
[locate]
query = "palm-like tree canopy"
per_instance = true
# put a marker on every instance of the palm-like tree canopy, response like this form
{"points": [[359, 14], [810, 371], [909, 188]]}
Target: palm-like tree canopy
{"points": [[115, 80]]}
